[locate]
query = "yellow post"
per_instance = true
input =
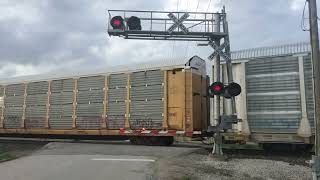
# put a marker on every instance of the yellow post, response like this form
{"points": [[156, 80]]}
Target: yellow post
{"points": [[3, 108], [24, 106], [191, 97], [47, 125], [105, 103], [74, 104], [127, 124], [185, 99], [165, 100]]}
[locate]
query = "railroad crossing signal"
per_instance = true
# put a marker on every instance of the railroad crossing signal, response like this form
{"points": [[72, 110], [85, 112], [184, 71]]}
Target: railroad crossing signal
{"points": [[178, 22], [218, 50], [219, 89]]}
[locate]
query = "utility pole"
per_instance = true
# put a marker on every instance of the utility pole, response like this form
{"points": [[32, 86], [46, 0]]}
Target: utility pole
{"points": [[314, 38], [230, 103], [217, 147]]}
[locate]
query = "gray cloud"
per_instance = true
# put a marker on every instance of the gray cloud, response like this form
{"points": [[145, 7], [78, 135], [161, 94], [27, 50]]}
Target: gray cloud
{"points": [[67, 35]]}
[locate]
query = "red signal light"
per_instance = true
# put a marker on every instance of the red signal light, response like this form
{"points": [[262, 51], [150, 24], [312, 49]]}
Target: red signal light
{"points": [[117, 22], [216, 88], [219, 89]]}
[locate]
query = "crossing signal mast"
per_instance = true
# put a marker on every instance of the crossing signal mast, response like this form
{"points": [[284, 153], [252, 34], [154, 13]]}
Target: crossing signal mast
{"points": [[187, 26]]}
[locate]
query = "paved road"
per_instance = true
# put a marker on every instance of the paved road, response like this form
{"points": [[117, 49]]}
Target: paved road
{"points": [[77, 161]]}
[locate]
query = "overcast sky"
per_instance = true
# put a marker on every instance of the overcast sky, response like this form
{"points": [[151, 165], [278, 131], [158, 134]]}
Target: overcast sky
{"points": [[39, 36]]}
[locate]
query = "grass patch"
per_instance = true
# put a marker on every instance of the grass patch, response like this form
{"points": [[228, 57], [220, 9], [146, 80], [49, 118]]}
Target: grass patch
{"points": [[6, 156], [185, 178]]}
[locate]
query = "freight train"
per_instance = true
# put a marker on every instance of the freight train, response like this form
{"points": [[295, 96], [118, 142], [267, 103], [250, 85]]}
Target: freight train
{"points": [[153, 102], [149, 103]]}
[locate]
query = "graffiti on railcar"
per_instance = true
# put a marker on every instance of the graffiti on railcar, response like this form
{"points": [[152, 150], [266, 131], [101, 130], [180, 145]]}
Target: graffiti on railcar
{"points": [[148, 122], [115, 121]]}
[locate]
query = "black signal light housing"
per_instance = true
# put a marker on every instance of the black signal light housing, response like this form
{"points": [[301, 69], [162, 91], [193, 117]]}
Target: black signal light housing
{"points": [[117, 22]]}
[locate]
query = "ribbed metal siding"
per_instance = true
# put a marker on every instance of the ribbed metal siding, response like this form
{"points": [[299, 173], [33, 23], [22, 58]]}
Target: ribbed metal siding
{"points": [[117, 95], [288, 49], [13, 105], [309, 88], [61, 116], [60, 113], [273, 97], [146, 95], [1, 90], [65, 85], [36, 104], [1, 98], [90, 102]]}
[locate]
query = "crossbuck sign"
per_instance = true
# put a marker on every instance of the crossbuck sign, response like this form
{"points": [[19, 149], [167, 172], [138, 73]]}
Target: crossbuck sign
{"points": [[218, 50], [178, 22]]}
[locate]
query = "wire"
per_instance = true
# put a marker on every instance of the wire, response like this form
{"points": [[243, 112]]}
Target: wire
{"points": [[187, 5], [186, 52], [302, 25], [174, 42], [208, 5]]}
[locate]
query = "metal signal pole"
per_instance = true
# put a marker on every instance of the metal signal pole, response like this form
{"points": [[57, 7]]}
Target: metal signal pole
{"points": [[230, 103], [314, 38], [217, 147]]}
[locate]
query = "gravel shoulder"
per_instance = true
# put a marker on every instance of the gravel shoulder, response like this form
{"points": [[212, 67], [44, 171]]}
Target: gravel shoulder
{"points": [[200, 165]]}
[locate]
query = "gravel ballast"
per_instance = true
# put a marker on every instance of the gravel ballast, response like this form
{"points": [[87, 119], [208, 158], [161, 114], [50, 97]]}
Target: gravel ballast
{"points": [[200, 165]]}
